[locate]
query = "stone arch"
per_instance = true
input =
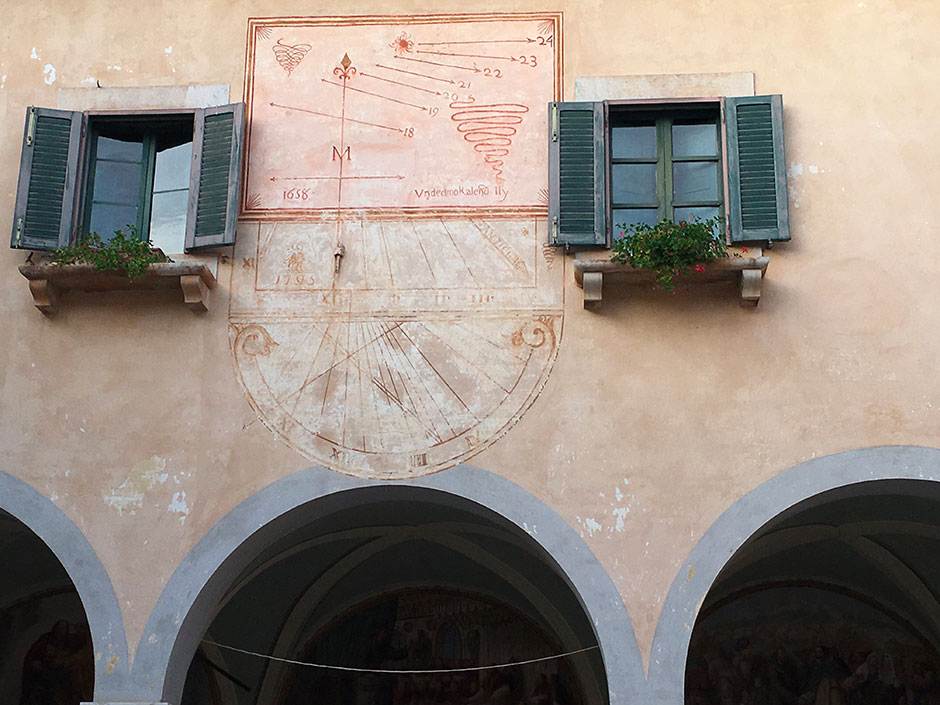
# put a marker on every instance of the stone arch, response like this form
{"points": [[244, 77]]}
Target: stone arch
{"points": [[76, 555], [666, 679], [187, 604]]}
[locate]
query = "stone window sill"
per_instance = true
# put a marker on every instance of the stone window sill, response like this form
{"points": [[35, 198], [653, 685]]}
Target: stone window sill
{"points": [[48, 281], [590, 268]]}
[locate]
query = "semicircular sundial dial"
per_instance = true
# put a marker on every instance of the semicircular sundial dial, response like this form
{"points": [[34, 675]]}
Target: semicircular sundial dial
{"points": [[393, 308]]}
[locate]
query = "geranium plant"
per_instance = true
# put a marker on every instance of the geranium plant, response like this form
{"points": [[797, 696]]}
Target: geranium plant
{"points": [[668, 249], [126, 254]]}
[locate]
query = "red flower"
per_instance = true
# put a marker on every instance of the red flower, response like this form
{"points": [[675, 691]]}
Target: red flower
{"points": [[699, 268], [743, 249]]}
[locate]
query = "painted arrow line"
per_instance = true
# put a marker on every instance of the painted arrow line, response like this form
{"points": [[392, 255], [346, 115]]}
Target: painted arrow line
{"points": [[435, 63], [399, 83], [337, 117], [332, 178], [422, 75], [377, 95], [472, 56], [528, 40]]}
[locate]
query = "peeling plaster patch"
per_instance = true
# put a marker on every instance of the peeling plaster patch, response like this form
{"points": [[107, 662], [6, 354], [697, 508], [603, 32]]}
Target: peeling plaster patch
{"points": [[795, 170], [591, 525], [152, 639], [48, 74], [620, 513], [168, 50], [618, 494], [90, 80], [691, 574], [3, 80], [34, 54], [129, 495], [179, 505], [813, 169], [112, 662], [114, 68]]}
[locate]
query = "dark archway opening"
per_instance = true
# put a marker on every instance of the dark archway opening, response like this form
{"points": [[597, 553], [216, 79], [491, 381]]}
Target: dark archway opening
{"points": [[836, 601], [46, 655], [401, 579]]}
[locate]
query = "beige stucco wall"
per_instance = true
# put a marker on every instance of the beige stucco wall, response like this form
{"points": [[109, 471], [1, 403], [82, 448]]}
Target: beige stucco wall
{"points": [[661, 409]]}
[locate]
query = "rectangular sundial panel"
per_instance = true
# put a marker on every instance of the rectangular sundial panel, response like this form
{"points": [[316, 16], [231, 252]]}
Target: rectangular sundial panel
{"points": [[439, 114]]}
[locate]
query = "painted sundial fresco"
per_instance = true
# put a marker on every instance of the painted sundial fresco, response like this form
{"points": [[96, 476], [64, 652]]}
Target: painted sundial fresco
{"points": [[394, 307]]}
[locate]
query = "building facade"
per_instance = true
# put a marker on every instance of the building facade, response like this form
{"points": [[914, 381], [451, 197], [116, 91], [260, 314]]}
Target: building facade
{"points": [[391, 407]]}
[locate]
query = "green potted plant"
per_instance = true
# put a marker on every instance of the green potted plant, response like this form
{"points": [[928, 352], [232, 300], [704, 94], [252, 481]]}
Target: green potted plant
{"points": [[669, 249], [125, 254]]}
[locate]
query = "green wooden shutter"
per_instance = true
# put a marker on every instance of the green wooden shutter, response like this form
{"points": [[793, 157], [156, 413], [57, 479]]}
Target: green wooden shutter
{"points": [[215, 179], [45, 192], [757, 170], [577, 174]]}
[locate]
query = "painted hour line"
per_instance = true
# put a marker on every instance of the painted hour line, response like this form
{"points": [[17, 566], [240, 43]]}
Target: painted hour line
{"points": [[527, 40], [376, 95], [337, 117], [435, 63], [399, 83], [472, 56], [422, 75], [331, 178]]}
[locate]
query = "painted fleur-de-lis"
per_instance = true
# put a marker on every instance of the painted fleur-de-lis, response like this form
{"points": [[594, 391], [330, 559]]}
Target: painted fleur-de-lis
{"points": [[345, 70]]}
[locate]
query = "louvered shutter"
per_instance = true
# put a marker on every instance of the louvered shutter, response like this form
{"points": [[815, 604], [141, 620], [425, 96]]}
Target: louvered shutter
{"points": [[215, 179], [757, 171], [45, 192], [577, 174]]}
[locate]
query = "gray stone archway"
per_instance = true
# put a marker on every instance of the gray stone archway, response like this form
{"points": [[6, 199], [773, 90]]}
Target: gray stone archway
{"points": [[188, 602], [69, 545], [666, 679]]}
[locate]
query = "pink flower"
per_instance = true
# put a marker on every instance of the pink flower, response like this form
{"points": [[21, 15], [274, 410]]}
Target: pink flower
{"points": [[699, 268]]}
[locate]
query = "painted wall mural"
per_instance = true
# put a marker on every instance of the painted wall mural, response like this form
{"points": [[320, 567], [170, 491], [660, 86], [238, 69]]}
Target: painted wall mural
{"points": [[394, 308], [807, 645]]}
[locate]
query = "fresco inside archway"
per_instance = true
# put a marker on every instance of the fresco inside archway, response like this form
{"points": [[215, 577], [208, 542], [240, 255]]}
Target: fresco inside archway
{"points": [[430, 629], [808, 645]]}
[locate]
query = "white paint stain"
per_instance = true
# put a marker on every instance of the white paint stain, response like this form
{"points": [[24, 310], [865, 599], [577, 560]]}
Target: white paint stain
{"points": [[813, 169], [178, 505], [115, 67], [90, 80], [168, 50], [3, 80], [794, 170], [48, 74], [618, 494], [34, 54]]}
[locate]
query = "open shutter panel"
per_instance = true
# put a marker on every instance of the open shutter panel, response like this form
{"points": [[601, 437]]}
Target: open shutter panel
{"points": [[45, 192], [577, 174], [756, 169], [215, 180]]}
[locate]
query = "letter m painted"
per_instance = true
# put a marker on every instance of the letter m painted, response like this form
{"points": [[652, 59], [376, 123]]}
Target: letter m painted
{"points": [[341, 155]]}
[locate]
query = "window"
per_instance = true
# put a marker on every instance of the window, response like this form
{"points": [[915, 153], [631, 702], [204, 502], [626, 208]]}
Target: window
{"points": [[618, 163], [172, 175]]}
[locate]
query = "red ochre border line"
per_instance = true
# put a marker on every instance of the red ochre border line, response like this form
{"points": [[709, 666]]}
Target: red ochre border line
{"points": [[331, 214]]}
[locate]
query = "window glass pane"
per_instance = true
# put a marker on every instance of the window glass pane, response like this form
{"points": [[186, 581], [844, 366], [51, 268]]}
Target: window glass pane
{"points": [[633, 183], [695, 181], [105, 219], [695, 140], [168, 220], [695, 212], [128, 149], [117, 182], [635, 142], [624, 217], [172, 170]]}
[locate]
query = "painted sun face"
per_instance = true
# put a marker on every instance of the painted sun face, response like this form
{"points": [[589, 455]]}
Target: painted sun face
{"points": [[403, 44]]}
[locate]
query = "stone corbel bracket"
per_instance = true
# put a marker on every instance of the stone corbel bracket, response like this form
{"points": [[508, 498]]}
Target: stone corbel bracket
{"points": [[47, 281], [590, 268]]}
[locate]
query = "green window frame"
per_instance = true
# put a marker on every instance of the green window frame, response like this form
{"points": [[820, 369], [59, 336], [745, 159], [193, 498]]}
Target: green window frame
{"points": [[662, 158], [55, 186], [750, 158]]}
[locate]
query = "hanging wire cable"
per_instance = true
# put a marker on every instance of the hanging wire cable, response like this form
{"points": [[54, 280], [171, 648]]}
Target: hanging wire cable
{"points": [[403, 671]]}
